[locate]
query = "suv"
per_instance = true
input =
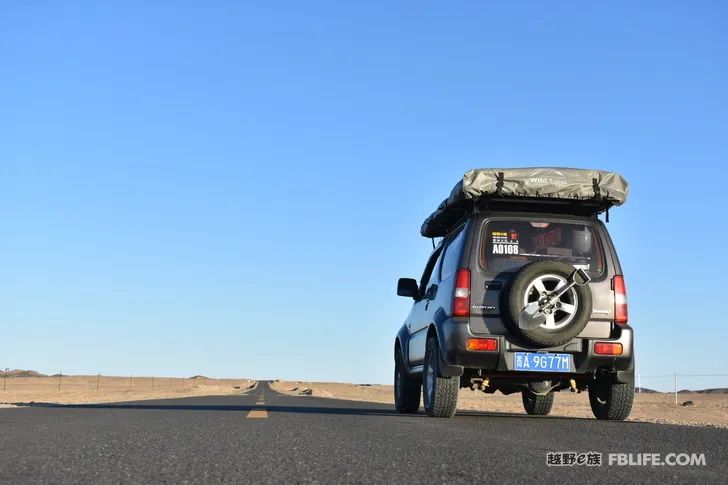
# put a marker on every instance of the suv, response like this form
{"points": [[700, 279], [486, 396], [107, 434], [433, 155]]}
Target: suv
{"points": [[523, 294]]}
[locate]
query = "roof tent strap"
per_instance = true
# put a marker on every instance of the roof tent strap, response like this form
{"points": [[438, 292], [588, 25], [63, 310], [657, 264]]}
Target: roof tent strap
{"points": [[597, 190], [433, 242], [607, 214], [499, 184]]}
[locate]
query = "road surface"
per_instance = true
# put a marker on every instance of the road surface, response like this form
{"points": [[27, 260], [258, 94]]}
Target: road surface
{"points": [[266, 437]]}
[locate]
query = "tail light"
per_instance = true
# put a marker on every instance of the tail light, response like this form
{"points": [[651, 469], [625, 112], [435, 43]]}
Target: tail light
{"points": [[461, 296], [621, 315]]}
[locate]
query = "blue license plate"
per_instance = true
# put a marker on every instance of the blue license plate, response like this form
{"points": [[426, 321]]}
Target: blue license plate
{"points": [[534, 362]]}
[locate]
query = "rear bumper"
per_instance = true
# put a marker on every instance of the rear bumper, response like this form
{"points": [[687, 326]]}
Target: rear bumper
{"points": [[456, 357]]}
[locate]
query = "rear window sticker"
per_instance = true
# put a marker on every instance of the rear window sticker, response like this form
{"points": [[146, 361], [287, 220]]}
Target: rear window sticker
{"points": [[504, 242]]}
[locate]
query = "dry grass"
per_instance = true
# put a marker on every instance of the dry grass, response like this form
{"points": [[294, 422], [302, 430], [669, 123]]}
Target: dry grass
{"points": [[707, 409], [99, 389]]}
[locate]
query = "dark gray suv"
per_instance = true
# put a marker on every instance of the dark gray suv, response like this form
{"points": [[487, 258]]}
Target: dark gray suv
{"points": [[518, 297]]}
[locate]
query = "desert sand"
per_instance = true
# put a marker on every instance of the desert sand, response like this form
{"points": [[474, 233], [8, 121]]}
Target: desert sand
{"points": [[706, 410], [16, 390]]}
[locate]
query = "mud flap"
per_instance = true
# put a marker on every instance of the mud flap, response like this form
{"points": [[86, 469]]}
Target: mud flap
{"points": [[624, 376], [450, 370]]}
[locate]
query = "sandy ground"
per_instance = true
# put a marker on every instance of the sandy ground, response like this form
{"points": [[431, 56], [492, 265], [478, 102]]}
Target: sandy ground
{"points": [[708, 409], [95, 389]]}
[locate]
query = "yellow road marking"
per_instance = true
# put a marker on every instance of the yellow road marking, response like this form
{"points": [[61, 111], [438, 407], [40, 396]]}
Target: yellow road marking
{"points": [[257, 413]]}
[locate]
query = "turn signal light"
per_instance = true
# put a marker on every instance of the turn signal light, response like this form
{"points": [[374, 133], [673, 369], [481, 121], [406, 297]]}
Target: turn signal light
{"points": [[461, 296], [607, 348], [490, 344]]}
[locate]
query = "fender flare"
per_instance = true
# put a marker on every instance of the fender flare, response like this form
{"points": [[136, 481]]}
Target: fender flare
{"points": [[401, 340]]}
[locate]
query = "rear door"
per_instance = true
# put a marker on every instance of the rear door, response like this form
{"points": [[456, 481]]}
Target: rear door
{"points": [[507, 243]]}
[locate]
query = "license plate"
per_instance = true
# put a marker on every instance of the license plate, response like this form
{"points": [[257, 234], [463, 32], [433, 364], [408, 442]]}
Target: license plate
{"points": [[533, 362]]}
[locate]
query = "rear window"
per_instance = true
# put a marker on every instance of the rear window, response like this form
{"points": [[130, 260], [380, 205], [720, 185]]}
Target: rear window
{"points": [[508, 245]]}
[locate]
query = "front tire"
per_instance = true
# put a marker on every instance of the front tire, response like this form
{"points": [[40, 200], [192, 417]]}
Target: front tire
{"points": [[407, 389], [611, 400], [537, 405], [440, 393]]}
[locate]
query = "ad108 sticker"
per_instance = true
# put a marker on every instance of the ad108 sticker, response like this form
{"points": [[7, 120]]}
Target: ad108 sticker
{"points": [[504, 242]]}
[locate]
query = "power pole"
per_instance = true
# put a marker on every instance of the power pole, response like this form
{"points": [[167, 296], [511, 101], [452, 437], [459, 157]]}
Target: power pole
{"points": [[675, 383]]}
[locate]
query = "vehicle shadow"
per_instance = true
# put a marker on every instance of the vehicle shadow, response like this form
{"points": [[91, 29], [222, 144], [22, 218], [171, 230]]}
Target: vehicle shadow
{"points": [[332, 410]]}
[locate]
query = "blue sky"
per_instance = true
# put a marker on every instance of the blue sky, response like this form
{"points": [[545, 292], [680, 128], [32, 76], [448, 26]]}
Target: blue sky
{"points": [[172, 174]]}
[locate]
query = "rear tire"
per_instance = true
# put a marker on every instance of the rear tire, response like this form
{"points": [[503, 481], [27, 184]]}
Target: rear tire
{"points": [[537, 405], [440, 393], [407, 389], [611, 400]]}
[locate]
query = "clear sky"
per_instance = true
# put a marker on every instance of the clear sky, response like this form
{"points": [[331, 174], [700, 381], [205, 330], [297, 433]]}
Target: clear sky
{"points": [[175, 177]]}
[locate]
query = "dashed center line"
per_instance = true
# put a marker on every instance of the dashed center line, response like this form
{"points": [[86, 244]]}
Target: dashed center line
{"points": [[258, 413]]}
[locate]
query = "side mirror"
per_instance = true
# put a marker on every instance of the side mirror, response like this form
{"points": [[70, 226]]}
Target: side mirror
{"points": [[408, 287]]}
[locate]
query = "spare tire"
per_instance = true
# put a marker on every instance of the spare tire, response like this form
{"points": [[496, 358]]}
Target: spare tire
{"points": [[565, 321]]}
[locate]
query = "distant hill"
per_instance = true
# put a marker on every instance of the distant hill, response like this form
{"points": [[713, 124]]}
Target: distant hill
{"points": [[716, 390], [21, 373]]}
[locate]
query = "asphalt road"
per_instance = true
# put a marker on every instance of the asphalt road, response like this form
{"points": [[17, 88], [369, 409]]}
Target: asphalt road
{"points": [[266, 437]]}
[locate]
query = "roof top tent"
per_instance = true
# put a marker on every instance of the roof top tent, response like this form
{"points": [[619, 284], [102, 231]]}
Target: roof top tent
{"points": [[550, 190]]}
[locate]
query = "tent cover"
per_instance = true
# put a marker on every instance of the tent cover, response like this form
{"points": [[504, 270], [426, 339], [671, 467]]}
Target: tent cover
{"points": [[545, 189]]}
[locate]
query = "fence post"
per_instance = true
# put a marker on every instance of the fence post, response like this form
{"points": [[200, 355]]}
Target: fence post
{"points": [[98, 378], [60, 376], [639, 383], [131, 379]]}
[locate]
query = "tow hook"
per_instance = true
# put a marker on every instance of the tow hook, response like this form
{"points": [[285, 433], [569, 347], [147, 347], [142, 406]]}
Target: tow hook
{"points": [[479, 383], [572, 384]]}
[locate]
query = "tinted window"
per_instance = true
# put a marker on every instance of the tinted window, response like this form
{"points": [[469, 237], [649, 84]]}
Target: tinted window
{"points": [[431, 271], [508, 245]]}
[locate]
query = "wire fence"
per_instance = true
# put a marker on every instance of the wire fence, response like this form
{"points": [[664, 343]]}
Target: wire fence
{"points": [[22, 382], [682, 383]]}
